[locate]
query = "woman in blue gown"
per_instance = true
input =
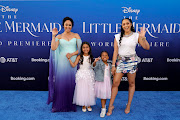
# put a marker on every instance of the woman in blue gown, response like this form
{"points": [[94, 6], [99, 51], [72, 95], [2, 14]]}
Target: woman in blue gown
{"points": [[61, 74]]}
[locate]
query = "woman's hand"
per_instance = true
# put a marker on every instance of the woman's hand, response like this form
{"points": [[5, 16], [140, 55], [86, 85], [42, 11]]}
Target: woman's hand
{"points": [[142, 39], [54, 32], [54, 44], [113, 70], [68, 55], [142, 32]]}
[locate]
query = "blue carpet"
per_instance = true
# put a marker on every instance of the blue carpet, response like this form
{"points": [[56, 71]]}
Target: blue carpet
{"points": [[146, 105]]}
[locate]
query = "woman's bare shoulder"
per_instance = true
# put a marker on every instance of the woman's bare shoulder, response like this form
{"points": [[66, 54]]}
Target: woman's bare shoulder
{"points": [[76, 35]]}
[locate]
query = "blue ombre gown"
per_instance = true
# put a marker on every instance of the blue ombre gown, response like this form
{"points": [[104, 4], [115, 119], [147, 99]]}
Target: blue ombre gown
{"points": [[62, 76]]}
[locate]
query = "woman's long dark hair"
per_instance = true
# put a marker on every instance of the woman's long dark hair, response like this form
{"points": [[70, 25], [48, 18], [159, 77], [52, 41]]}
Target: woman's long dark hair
{"points": [[89, 53], [122, 30]]}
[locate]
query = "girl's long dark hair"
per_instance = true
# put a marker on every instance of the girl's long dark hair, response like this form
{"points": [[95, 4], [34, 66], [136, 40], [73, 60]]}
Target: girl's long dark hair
{"points": [[89, 53], [122, 30]]}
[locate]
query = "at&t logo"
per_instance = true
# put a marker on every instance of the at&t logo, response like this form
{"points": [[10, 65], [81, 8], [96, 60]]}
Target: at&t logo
{"points": [[11, 60]]}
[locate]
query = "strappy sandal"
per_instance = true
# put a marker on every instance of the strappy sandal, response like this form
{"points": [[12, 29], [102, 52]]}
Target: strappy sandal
{"points": [[110, 108], [127, 111]]}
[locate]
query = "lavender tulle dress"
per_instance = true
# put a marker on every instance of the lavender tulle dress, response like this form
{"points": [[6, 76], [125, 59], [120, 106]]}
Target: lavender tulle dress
{"points": [[62, 76]]}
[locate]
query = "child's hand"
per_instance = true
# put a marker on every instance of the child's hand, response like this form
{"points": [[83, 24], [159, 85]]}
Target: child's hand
{"points": [[68, 55], [97, 59]]}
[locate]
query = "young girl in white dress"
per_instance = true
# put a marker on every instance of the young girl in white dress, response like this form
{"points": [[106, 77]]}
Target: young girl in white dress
{"points": [[84, 94]]}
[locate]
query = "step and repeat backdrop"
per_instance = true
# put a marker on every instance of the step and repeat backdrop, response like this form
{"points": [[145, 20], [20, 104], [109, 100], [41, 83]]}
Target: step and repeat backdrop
{"points": [[25, 38]]}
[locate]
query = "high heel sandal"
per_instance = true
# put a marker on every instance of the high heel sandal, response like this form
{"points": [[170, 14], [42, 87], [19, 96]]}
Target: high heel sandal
{"points": [[53, 110], [110, 108], [127, 111]]}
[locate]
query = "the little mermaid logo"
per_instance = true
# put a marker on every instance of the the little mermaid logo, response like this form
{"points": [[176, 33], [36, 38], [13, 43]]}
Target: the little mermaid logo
{"points": [[130, 10], [7, 9]]}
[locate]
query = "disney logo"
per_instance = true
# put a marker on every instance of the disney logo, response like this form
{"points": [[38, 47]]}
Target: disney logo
{"points": [[130, 10], [7, 9]]}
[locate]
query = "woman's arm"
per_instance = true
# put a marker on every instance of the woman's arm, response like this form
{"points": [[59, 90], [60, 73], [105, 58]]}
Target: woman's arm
{"points": [[76, 61], [115, 53], [55, 44], [142, 39]]}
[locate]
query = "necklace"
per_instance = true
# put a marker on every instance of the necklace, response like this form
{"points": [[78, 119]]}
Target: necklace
{"points": [[128, 35]]}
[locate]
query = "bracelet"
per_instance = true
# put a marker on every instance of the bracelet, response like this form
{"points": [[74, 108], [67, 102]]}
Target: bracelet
{"points": [[113, 65], [144, 38]]}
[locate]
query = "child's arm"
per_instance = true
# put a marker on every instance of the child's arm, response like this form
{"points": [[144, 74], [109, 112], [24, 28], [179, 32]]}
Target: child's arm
{"points": [[76, 61], [96, 59]]}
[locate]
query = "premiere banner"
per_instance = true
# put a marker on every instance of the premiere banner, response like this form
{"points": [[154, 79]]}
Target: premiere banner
{"points": [[25, 38]]}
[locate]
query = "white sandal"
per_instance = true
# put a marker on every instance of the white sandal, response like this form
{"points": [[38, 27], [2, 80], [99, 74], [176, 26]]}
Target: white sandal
{"points": [[89, 109], [83, 109]]}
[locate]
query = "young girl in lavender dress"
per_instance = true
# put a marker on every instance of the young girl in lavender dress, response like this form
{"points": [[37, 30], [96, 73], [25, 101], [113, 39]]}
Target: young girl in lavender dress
{"points": [[103, 80], [84, 90]]}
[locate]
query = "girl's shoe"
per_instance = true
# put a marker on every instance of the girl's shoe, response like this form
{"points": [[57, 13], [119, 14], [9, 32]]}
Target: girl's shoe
{"points": [[89, 109], [103, 112], [83, 109]]}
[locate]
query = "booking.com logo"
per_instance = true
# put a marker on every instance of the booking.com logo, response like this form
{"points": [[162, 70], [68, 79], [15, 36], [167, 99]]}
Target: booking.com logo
{"points": [[3, 60]]}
